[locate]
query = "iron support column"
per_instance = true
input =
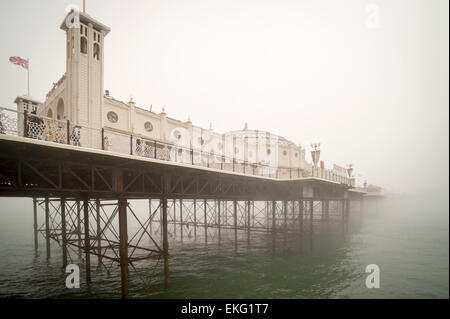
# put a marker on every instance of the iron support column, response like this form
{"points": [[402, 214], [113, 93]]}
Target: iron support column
{"points": [[123, 246], [47, 227], [63, 232], [87, 243], [99, 231], [165, 243], [206, 222], [235, 224], [35, 224]]}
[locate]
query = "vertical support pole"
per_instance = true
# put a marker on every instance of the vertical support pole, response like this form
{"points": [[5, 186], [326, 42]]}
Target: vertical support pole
{"points": [[165, 243], [151, 215], [274, 210], [175, 218], [343, 210], [322, 213], [285, 208], [235, 224], [300, 216], [327, 211], [87, 243], [35, 224], [79, 226], [311, 216], [253, 213], [123, 246], [165, 226], [63, 232], [248, 222], [181, 219], [99, 231], [206, 222], [195, 219], [47, 227], [218, 218]]}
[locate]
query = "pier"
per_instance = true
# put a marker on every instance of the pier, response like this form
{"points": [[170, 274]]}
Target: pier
{"points": [[82, 156], [83, 195]]}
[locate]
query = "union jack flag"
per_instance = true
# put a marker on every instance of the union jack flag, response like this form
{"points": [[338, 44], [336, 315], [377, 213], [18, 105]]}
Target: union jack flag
{"points": [[19, 61]]}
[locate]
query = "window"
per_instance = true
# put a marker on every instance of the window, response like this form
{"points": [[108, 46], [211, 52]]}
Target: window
{"points": [[148, 126], [236, 150], [219, 146], [83, 45], [177, 134], [296, 154], [284, 153], [112, 117], [268, 151], [96, 51], [201, 141]]}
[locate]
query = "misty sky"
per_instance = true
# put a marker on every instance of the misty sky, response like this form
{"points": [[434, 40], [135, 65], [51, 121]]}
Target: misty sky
{"points": [[309, 70]]}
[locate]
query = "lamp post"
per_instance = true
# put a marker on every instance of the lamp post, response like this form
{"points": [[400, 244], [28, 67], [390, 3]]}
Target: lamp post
{"points": [[350, 171], [315, 154]]}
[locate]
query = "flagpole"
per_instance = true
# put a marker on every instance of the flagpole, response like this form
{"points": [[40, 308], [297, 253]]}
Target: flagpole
{"points": [[28, 76]]}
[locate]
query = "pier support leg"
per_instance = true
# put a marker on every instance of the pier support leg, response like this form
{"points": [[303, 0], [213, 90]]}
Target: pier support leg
{"points": [[175, 219], [181, 220], [165, 242], [311, 217], [99, 231], [235, 224], [285, 209], [300, 216], [274, 210], [195, 219], [79, 227], [87, 244], [150, 210], [63, 232], [47, 227], [248, 222], [35, 224], [123, 246], [218, 219], [206, 221]]}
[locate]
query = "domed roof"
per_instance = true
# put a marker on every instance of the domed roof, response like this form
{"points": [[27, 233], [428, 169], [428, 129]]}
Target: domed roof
{"points": [[263, 136]]}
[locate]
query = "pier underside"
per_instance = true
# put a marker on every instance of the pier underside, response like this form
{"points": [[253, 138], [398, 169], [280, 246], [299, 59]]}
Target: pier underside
{"points": [[84, 196]]}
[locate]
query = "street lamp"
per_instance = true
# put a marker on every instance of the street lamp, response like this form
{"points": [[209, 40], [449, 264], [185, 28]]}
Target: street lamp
{"points": [[315, 154], [350, 171]]}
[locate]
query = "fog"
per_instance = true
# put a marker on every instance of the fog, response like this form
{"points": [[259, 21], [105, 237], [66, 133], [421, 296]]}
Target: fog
{"points": [[374, 94]]}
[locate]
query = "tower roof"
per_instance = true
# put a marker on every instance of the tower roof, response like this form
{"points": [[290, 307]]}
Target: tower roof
{"points": [[86, 19]]}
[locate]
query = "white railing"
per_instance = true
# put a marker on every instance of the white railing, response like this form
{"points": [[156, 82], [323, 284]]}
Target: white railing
{"points": [[64, 132]]}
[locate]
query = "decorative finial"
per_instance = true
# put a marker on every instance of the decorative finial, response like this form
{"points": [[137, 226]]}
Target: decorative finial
{"points": [[131, 100], [151, 107], [163, 112], [210, 126], [84, 5], [189, 120], [245, 126]]}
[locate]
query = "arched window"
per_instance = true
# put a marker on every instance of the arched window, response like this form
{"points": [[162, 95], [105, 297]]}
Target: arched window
{"points": [[50, 113], [83, 45], [96, 51], [60, 110]]}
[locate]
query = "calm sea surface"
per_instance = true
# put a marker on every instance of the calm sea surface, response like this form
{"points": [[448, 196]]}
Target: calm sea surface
{"points": [[407, 237]]}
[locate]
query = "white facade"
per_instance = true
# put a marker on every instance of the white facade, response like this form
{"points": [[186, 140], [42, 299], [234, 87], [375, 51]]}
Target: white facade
{"points": [[78, 97]]}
